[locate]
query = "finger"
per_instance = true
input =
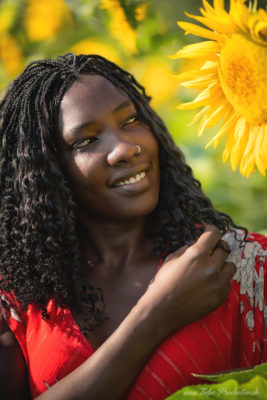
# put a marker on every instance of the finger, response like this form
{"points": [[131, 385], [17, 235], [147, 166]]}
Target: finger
{"points": [[228, 271], [221, 251], [208, 240], [226, 276], [176, 253], [226, 291], [181, 251]]}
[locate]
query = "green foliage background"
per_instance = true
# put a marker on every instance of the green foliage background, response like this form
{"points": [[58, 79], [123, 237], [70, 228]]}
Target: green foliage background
{"points": [[157, 37]]}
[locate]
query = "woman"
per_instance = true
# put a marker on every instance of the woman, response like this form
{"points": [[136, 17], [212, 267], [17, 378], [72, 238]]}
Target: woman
{"points": [[108, 254]]}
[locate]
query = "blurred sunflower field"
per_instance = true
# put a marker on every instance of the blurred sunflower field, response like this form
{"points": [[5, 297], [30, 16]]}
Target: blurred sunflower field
{"points": [[140, 36]]}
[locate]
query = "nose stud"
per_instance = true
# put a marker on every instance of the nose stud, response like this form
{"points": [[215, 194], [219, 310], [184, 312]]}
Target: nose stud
{"points": [[138, 150], [123, 152]]}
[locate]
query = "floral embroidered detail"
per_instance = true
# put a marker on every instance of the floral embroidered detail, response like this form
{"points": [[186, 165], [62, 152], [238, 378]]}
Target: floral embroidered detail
{"points": [[259, 289], [250, 319], [242, 307], [251, 282], [4, 305], [256, 346]]}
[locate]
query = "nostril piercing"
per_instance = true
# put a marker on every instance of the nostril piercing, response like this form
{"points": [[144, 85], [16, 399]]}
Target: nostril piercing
{"points": [[138, 150]]}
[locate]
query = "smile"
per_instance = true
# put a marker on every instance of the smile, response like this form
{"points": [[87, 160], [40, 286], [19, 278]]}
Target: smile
{"points": [[132, 179]]}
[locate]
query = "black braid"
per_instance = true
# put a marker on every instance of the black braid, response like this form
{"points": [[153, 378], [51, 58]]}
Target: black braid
{"points": [[39, 250]]}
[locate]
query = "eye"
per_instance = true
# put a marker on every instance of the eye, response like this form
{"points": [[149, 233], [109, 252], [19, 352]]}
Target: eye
{"points": [[83, 143], [131, 120]]}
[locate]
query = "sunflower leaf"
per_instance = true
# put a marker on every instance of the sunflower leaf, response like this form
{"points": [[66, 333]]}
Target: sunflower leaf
{"points": [[240, 375], [244, 383]]}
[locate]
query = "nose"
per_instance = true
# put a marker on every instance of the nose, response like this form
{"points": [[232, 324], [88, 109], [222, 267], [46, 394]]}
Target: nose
{"points": [[122, 152]]}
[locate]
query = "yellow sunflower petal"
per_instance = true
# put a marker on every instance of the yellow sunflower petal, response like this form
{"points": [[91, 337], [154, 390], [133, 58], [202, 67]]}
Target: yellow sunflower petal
{"points": [[229, 145], [198, 31], [184, 76], [199, 82], [258, 155], [248, 161], [258, 27], [239, 14], [202, 49], [264, 145], [200, 99], [209, 120], [227, 125], [218, 6], [210, 65], [241, 137], [220, 17], [199, 114], [204, 71], [216, 24], [250, 147], [217, 114], [202, 125], [208, 8]]}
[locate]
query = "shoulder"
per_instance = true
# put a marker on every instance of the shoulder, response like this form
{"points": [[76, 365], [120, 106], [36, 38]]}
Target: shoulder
{"points": [[12, 358]]}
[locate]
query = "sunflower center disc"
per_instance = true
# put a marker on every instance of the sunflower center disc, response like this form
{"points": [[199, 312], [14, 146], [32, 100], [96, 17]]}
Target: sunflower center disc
{"points": [[243, 77]]}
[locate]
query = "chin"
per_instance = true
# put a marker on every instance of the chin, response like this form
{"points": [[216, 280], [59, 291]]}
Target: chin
{"points": [[142, 210]]}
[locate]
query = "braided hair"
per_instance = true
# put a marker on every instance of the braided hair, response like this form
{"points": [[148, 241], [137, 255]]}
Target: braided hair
{"points": [[39, 249]]}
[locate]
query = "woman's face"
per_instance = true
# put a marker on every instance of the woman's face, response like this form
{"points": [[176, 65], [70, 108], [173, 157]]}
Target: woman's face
{"points": [[99, 132]]}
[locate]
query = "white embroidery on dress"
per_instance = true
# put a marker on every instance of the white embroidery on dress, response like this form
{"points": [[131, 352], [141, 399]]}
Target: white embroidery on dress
{"points": [[5, 304], [259, 289], [242, 307], [251, 283], [250, 319]]}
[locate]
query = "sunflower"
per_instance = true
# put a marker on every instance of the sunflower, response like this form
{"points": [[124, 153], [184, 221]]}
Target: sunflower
{"points": [[11, 55], [232, 76], [44, 19], [119, 25]]}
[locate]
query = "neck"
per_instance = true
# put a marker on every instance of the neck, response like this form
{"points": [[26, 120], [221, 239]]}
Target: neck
{"points": [[113, 244]]}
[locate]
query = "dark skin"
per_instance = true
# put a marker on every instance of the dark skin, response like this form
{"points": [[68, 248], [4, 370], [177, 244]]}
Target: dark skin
{"points": [[98, 135], [96, 157]]}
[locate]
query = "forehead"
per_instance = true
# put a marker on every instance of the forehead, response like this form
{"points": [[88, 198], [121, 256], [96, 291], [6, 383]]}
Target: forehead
{"points": [[89, 97]]}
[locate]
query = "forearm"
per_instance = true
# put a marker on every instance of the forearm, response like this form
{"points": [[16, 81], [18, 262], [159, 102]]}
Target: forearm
{"points": [[112, 369], [191, 283]]}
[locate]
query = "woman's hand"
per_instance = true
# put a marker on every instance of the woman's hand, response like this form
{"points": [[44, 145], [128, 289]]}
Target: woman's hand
{"points": [[192, 282]]}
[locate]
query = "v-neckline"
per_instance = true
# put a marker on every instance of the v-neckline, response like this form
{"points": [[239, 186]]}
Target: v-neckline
{"points": [[75, 324]]}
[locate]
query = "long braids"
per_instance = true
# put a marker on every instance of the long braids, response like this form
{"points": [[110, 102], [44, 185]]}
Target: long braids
{"points": [[39, 249]]}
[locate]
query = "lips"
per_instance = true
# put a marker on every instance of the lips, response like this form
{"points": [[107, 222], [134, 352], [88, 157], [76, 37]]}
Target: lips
{"points": [[131, 177]]}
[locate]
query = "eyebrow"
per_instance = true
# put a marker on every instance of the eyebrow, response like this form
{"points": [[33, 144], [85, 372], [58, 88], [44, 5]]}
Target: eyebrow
{"points": [[73, 132], [124, 104]]}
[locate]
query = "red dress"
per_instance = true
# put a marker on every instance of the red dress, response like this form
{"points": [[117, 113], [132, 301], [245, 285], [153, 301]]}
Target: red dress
{"points": [[232, 336]]}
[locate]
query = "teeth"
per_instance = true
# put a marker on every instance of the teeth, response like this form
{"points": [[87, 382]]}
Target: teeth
{"points": [[134, 179]]}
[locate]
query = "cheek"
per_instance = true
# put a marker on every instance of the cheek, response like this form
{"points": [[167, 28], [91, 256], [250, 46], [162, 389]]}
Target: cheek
{"points": [[84, 169], [154, 149], [148, 141]]}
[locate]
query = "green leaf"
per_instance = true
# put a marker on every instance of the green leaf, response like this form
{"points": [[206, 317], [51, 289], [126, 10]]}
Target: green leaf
{"points": [[240, 375], [256, 388], [250, 383]]}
